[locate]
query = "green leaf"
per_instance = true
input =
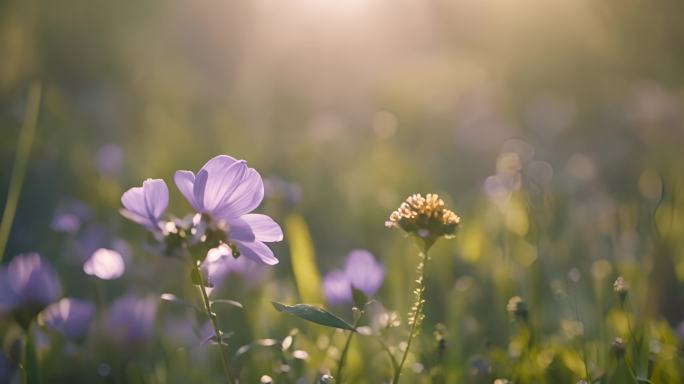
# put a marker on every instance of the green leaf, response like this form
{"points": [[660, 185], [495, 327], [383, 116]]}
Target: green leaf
{"points": [[227, 302], [360, 298], [313, 314], [303, 258]]}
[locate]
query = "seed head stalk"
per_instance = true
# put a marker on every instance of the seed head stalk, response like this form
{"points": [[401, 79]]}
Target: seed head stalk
{"points": [[214, 322], [416, 315]]}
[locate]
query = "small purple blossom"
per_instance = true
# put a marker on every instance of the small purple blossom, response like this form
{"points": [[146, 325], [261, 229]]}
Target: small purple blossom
{"points": [[28, 282], [69, 217], [145, 205], [70, 317], [227, 190], [109, 159], [131, 319], [220, 264], [361, 271]]}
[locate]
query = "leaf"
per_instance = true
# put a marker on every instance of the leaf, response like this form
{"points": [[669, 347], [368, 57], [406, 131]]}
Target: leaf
{"points": [[171, 298], [228, 302], [360, 298], [306, 273], [313, 314]]}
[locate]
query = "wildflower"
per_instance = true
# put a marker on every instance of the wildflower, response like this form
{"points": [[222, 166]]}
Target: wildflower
{"points": [[425, 217], [131, 319], [517, 308], [69, 217], [105, 264], [70, 317], [326, 379], [109, 159], [227, 190], [361, 271], [27, 285], [145, 205], [220, 264], [621, 287], [618, 348]]}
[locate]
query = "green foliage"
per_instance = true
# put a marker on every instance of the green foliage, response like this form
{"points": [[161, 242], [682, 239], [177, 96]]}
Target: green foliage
{"points": [[314, 314]]}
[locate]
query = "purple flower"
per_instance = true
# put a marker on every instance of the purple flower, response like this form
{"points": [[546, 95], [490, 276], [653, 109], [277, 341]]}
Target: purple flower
{"points": [[70, 317], [109, 159], [131, 319], [145, 205], [28, 284], [228, 190], [220, 264], [361, 271], [69, 216]]}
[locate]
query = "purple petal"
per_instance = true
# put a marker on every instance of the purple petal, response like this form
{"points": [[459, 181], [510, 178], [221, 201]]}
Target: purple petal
{"points": [[257, 251], [239, 229], [337, 287], [145, 205], [69, 316], [247, 195], [32, 280], [364, 272], [131, 319], [263, 227], [198, 189], [221, 183], [156, 197], [106, 264], [185, 180]]}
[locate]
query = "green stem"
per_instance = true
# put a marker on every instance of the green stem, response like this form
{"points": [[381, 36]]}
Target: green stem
{"points": [[214, 322], [416, 316], [343, 356], [30, 360], [26, 134]]}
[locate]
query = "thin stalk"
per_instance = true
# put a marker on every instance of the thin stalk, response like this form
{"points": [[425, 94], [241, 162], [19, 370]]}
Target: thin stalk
{"points": [[26, 134], [30, 360], [214, 323], [416, 316], [343, 356]]}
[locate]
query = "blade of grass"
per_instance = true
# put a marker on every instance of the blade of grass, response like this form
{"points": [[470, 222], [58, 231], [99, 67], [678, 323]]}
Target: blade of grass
{"points": [[21, 157], [303, 257]]}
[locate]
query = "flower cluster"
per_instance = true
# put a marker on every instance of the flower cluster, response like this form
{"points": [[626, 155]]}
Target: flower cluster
{"points": [[223, 194], [426, 217]]}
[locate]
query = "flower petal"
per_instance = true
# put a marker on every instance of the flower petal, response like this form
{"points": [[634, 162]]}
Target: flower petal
{"points": [[263, 227], [337, 287], [364, 272], [239, 229], [257, 251], [198, 189], [221, 183], [247, 195], [156, 197], [185, 181]]}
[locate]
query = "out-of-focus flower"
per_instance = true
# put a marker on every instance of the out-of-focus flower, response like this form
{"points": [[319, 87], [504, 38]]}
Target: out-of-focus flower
{"points": [[69, 217], [220, 263], [8, 370], [621, 287], [426, 217], [131, 319], [145, 205], [517, 308], [70, 317], [27, 285], [109, 159], [277, 188], [361, 271], [227, 190], [106, 264]]}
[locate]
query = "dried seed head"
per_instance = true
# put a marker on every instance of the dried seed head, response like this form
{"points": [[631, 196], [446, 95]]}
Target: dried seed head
{"points": [[426, 217], [621, 287]]}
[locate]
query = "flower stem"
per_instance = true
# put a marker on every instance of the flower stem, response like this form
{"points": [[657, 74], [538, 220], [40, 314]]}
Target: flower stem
{"points": [[214, 322], [30, 360], [26, 133], [343, 356], [416, 316]]}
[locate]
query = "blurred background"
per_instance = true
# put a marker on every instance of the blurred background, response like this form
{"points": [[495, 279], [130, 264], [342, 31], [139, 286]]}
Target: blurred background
{"points": [[553, 128]]}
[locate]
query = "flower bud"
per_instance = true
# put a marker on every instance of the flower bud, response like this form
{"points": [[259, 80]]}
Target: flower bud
{"points": [[617, 348], [621, 287], [517, 308]]}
